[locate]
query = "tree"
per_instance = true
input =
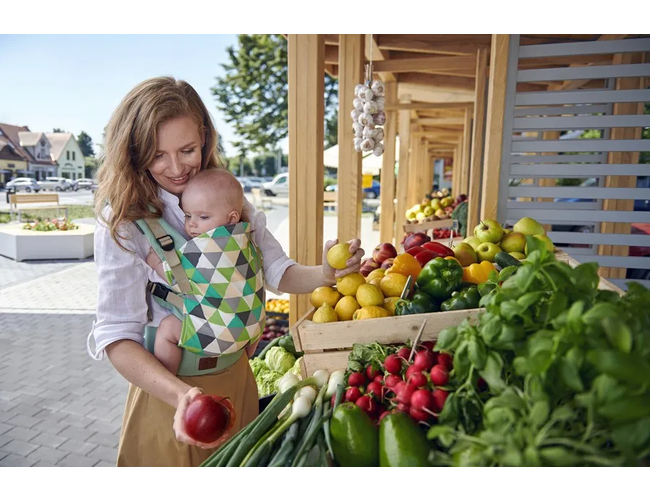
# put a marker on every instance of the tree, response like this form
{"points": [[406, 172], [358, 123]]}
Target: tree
{"points": [[253, 95], [57, 130], [91, 164], [85, 144]]}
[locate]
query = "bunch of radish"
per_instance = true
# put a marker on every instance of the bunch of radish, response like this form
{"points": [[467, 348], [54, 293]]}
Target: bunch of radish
{"points": [[417, 387], [368, 116]]}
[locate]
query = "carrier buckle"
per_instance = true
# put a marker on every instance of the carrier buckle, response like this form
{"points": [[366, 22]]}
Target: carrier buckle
{"points": [[166, 242], [158, 290]]}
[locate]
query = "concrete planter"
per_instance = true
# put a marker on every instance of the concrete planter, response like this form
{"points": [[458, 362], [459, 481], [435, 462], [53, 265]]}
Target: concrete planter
{"points": [[23, 244]]}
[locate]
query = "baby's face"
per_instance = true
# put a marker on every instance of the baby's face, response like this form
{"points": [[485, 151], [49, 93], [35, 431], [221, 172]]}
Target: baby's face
{"points": [[203, 214]]}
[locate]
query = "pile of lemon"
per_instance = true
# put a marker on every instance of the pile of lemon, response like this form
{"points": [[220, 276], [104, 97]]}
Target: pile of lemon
{"points": [[278, 306], [356, 297]]}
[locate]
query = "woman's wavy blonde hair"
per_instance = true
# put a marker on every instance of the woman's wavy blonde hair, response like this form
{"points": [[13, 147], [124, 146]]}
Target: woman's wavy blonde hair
{"points": [[130, 147]]}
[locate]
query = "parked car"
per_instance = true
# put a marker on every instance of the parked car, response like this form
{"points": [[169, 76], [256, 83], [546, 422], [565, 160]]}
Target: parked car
{"points": [[255, 182], [369, 192], [26, 184], [88, 184], [245, 184], [278, 186], [56, 183]]}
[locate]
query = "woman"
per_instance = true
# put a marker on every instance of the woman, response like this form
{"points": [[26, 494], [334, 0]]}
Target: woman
{"points": [[159, 137]]}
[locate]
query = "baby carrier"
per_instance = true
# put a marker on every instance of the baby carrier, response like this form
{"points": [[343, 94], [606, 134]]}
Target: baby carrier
{"points": [[216, 288]]}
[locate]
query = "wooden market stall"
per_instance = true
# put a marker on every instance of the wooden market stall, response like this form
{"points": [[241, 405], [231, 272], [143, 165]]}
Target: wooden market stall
{"points": [[493, 103]]}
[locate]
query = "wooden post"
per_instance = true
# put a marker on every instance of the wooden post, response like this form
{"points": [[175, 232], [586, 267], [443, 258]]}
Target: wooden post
{"points": [[455, 172], [387, 217], [351, 56], [414, 156], [628, 181], [306, 122], [467, 141], [494, 127], [404, 133], [478, 140]]}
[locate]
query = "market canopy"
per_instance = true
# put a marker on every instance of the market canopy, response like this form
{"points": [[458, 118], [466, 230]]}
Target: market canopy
{"points": [[370, 165]]}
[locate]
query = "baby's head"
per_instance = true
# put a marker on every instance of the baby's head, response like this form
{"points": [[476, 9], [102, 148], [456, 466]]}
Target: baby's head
{"points": [[212, 198]]}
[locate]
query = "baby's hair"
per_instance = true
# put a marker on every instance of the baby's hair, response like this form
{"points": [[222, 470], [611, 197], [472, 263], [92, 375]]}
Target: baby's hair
{"points": [[222, 181]]}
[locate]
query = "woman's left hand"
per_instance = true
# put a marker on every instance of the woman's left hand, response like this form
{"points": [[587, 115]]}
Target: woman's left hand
{"points": [[353, 263]]}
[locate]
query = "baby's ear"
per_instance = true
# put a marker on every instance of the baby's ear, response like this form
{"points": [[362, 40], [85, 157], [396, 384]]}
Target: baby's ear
{"points": [[233, 217]]}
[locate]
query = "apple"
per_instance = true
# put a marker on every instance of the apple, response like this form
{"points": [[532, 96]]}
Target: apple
{"points": [[449, 210], [415, 240], [382, 252], [420, 216], [465, 254], [528, 227], [547, 241], [387, 263], [506, 231], [447, 202], [473, 241], [428, 211], [489, 231], [435, 204], [440, 213], [367, 266], [487, 251], [518, 255], [513, 242], [410, 215], [461, 198]]}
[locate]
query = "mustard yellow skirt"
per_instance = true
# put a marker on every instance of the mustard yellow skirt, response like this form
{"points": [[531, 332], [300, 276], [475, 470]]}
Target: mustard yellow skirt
{"points": [[147, 438]]}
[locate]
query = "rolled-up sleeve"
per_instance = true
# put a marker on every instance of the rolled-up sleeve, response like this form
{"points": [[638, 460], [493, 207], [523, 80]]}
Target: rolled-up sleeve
{"points": [[276, 261], [121, 303]]}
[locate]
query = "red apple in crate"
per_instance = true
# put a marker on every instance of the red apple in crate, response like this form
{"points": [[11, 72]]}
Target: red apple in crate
{"points": [[387, 263], [415, 240], [367, 266], [383, 251]]}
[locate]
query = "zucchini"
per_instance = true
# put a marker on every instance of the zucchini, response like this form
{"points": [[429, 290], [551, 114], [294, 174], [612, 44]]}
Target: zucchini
{"points": [[504, 260]]}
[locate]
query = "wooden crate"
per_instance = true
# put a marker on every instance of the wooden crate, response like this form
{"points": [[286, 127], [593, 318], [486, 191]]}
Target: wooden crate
{"points": [[561, 255], [415, 227], [327, 346]]}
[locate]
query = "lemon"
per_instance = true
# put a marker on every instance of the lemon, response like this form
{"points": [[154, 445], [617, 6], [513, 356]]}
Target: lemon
{"points": [[324, 294], [389, 305], [348, 284], [393, 284], [325, 314], [338, 255], [377, 273], [369, 295], [370, 312], [346, 307]]}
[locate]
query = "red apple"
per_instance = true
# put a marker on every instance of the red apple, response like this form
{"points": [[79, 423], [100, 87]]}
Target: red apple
{"points": [[383, 251], [387, 263], [415, 240]]}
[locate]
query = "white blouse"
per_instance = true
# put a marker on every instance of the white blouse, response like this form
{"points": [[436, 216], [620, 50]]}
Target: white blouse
{"points": [[123, 302]]}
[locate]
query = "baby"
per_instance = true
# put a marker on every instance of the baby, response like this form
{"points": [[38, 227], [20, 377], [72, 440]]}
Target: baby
{"points": [[212, 198]]}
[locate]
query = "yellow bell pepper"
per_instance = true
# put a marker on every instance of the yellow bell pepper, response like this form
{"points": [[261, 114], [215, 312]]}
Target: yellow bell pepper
{"points": [[478, 273], [452, 258]]}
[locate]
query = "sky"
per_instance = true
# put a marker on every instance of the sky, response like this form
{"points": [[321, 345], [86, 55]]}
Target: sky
{"points": [[75, 82]]}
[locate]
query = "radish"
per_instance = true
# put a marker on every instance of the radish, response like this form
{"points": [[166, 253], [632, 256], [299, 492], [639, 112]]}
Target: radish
{"points": [[423, 400], [378, 378], [403, 408], [356, 379], [482, 384], [415, 376], [424, 360], [404, 352], [375, 388], [445, 360], [392, 381], [428, 345], [440, 397], [439, 375], [367, 404], [333, 400], [371, 373], [404, 393], [419, 415], [352, 394], [393, 364]]}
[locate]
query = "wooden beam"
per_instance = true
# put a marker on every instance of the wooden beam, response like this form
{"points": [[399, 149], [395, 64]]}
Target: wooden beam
{"points": [[387, 217], [478, 141], [438, 121], [331, 39], [431, 105], [425, 44], [444, 81], [467, 141], [331, 54], [447, 63], [494, 127], [374, 53], [306, 123], [404, 133], [350, 195], [618, 158]]}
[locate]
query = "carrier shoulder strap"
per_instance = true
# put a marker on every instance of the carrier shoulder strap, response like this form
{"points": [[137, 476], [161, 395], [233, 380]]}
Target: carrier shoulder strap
{"points": [[166, 243]]}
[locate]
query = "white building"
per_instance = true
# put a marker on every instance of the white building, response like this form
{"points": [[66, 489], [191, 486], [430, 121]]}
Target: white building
{"points": [[67, 154], [38, 146]]}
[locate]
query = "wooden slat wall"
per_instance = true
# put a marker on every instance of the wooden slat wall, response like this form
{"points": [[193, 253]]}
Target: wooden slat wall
{"points": [[387, 217], [403, 172]]}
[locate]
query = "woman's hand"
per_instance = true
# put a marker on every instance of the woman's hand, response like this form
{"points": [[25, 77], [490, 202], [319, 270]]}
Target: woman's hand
{"points": [[353, 263], [179, 418]]}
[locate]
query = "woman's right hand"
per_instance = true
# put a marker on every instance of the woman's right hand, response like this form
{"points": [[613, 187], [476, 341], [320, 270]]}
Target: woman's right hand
{"points": [[179, 419]]}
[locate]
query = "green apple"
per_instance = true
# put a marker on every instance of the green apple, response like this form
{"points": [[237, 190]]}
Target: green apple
{"points": [[473, 241], [513, 242], [547, 241], [518, 255], [487, 251], [506, 231], [528, 227], [465, 254], [428, 211], [435, 204], [440, 213], [420, 216], [489, 231]]}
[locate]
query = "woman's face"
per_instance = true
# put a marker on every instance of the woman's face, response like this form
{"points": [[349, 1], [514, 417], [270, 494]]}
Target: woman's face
{"points": [[178, 154]]}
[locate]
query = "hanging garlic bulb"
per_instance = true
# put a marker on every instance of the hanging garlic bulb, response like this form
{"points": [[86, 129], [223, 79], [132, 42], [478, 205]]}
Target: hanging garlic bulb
{"points": [[365, 94], [358, 104], [358, 88], [370, 107], [370, 131], [381, 103], [358, 129], [357, 144], [378, 150], [379, 118], [355, 114], [365, 119], [380, 135], [367, 144], [378, 88]]}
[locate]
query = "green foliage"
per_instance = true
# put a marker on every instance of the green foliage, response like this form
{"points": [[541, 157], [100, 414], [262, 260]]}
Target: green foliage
{"points": [[91, 164], [85, 144], [56, 130]]}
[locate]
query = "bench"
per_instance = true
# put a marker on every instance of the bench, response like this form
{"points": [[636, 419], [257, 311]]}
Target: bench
{"points": [[330, 199], [261, 201], [27, 199]]}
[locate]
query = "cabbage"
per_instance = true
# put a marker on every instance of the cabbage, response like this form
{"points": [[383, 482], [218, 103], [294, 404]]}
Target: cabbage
{"points": [[279, 360], [258, 366], [267, 382], [295, 369]]}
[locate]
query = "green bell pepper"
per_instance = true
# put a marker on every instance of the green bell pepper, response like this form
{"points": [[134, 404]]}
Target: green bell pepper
{"points": [[440, 277], [419, 304], [468, 298]]}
